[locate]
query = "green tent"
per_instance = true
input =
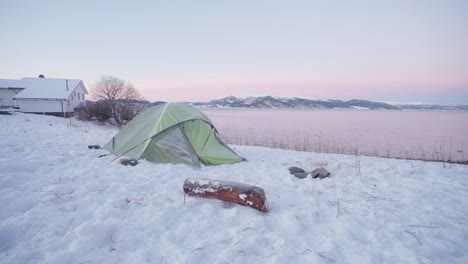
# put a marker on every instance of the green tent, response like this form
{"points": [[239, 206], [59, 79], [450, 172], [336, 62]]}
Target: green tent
{"points": [[172, 133]]}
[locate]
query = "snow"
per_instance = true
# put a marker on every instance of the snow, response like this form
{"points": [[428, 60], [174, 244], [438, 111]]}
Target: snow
{"points": [[49, 88], [279, 97], [360, 107], [404, 103], [63, 204], [9, 83], [203, 190]]}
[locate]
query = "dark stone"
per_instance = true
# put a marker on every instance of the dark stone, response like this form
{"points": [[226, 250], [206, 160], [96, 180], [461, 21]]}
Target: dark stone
{"points": [[5, 113], [320, 173], [293, 170], [94, 147], [301, 175], [131, 162]]}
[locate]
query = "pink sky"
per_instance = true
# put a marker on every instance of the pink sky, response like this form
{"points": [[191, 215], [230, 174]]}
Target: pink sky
{"points": [[377, 86], [396, 50]]}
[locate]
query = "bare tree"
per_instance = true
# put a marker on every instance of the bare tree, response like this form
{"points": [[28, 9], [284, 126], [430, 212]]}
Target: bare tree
{"points": [[121, 97]]}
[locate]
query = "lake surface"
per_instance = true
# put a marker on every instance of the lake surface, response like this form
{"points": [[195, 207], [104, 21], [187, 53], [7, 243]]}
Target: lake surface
{"points": [[426, 135]]}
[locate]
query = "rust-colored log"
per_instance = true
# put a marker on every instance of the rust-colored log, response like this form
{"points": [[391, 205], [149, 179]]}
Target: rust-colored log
{"points": [[236, 192]]}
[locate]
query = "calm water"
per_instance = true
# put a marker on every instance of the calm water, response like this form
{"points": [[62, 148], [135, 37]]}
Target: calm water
{"points": [[406, 134]]}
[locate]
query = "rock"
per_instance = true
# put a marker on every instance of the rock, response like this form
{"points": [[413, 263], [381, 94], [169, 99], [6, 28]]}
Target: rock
{"points": [[293, 170], [131, 162], [320, 173], [298, 172], [94, 147], [301, 175]]}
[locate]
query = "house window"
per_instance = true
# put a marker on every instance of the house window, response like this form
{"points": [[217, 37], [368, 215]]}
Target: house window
{"points": [[79, 97]]}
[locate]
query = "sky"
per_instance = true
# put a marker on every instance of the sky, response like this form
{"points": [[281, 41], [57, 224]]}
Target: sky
{"points": [[400, 50]]}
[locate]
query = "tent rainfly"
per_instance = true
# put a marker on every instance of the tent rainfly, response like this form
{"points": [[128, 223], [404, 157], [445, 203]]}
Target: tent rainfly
{"points": [[172, 133]]}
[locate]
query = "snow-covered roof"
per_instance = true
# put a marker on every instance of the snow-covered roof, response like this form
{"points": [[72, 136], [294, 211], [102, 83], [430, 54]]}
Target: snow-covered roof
{"points": [[43, 88], [8, 83]]}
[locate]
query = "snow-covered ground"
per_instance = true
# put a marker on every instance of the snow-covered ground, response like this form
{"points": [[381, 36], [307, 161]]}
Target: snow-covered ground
{"points": [[60, 203]]}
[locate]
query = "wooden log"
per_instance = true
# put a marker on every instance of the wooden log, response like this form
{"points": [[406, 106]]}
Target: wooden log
{"points": [[236, 192]]}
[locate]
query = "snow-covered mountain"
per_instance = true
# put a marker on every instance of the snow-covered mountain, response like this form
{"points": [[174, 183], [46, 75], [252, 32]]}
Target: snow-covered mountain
{"points": [[266, 102]]}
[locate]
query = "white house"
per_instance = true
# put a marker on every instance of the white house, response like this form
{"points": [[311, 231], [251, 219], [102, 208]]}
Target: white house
{"points": [[43, 95]]}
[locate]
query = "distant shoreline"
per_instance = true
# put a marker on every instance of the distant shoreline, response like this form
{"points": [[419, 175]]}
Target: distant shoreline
{"points": [[327, 109], [270, 102]]}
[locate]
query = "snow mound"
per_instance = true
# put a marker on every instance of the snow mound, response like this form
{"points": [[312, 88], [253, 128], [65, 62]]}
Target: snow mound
{"points": [[63, 204]]}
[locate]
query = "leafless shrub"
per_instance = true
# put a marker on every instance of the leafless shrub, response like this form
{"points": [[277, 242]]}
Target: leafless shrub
{"points": [[120, 96]]}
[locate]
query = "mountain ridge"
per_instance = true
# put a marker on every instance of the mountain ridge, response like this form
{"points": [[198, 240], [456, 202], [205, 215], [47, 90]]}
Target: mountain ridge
{"points": [[271, 102]]}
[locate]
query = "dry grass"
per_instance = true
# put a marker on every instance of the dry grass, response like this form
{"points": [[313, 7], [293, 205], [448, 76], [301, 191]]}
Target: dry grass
{"points": [[324, 144]]}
